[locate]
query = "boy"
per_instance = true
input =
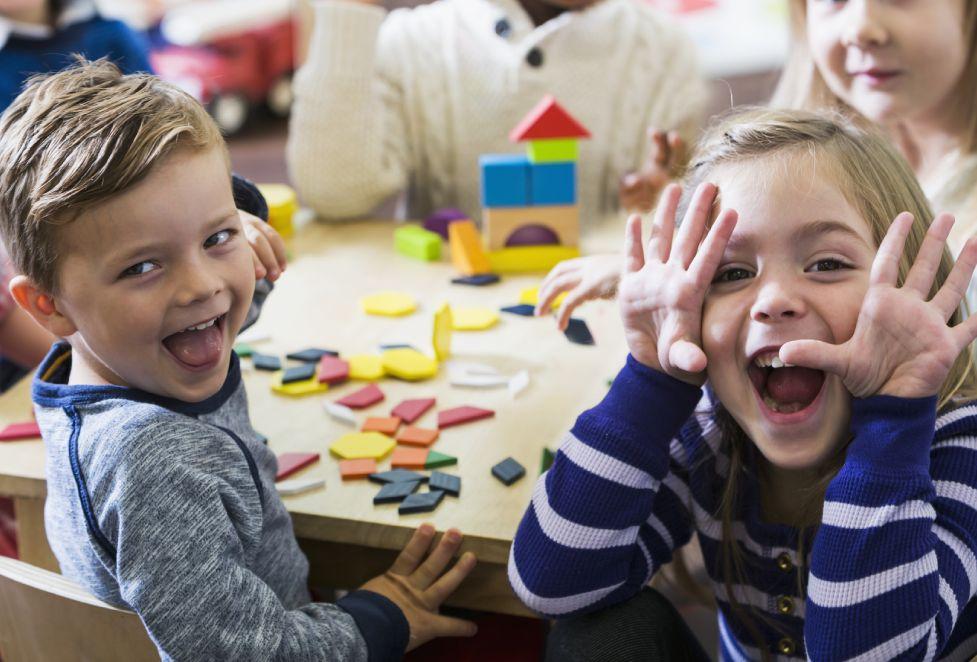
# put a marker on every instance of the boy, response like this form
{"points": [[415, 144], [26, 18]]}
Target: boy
{"points": [[116, 207]]}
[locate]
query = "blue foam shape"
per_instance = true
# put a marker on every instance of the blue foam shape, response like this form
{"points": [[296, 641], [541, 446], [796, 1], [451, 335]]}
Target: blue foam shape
{"points": [[505, 180], [553, 183]]}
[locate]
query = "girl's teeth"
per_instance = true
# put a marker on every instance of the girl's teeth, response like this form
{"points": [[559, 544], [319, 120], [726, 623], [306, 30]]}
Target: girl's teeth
{"points": [[782, 409], [776, 362]]}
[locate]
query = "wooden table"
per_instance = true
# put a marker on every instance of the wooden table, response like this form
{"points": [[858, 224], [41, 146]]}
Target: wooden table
{"points": [[346, 537]]}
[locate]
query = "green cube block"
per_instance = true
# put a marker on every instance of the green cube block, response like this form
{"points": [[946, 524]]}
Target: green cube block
{"points": [[550, 151], [418, 243]]}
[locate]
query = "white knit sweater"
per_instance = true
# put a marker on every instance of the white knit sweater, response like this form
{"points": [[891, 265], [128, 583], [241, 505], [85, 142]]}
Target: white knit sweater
{"points": [[410, 100]]}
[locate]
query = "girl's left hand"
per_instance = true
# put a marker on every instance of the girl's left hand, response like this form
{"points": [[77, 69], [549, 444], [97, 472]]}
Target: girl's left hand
{"points": [[267, 247], [902, 345]]}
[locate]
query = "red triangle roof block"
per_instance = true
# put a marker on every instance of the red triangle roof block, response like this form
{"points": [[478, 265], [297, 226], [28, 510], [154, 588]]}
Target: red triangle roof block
{"points": [[548, 120]]}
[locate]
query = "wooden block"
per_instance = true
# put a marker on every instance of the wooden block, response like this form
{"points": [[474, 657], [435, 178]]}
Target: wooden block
{"points": [[479, 280], [498, 224], [299, 486], [525, 259], [354, 469], [418, 243], [553, 183], [15, 431], [411, 410], [387, 426], [289, 463], [547, 120], [467, 253], [504, 180], [341, 413], [530, 295], [362, 398], [578, 332], [552, 150], [408, 458], [459, 415], [333, 370], [412, 436]]}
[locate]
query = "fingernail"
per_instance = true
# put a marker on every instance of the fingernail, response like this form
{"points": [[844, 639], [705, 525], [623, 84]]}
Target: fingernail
{"points": [[426, 529], [453, 536]]}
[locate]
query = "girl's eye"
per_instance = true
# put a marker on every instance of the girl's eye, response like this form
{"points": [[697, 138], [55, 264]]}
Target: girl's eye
{"points": [[731, 275], [828, 264], [139, 269], [218, 238]]}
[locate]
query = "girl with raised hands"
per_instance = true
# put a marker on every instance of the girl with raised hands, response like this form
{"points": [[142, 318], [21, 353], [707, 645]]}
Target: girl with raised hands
{"points": [[799, 394]]}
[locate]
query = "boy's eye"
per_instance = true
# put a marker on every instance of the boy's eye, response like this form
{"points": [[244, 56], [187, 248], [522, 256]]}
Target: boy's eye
{"points": [[218, 238], [731, 275], [828, 264], [139, 269]]}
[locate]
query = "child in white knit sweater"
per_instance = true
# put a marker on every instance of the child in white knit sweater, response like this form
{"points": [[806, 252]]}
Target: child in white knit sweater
{"points": [[410, 100]]}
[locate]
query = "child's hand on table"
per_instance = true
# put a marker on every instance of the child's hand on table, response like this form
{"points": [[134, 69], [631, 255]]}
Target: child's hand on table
{"points": [[639, 190], [416, 585], [585, 278], [267, 247], [663, 285], [902, 345]]}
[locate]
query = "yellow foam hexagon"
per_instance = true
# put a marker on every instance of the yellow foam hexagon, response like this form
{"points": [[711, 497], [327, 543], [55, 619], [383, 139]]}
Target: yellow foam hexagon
{"points": [[530, 295], [357, 445], [409, 364], [365, 366], [392, 304], [442, 332], [304, 387], [473, 319]]}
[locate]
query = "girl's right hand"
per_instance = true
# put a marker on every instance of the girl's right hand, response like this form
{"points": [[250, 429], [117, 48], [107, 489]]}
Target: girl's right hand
{"points": [[664, 285]]}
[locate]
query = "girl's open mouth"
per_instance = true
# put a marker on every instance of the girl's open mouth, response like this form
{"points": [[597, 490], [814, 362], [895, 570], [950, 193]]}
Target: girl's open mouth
{"points": [[198, 347], [787, 394]]}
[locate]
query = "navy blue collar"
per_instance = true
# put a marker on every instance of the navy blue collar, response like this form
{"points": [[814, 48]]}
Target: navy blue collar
{"points": [[50, 387]]}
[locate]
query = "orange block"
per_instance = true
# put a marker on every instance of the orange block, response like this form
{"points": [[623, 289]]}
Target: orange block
{"points": [[387, 426], [417, 436], [467, 253], [408, 458], [352, 469]]}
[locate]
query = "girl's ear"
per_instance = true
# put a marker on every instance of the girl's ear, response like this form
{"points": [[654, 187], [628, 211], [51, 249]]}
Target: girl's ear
{"points": [[42, 306]]}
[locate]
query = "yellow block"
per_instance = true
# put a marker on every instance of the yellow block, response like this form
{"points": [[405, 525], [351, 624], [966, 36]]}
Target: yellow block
{"points": [[520, 259], [391, 304], [409, 364], [530, 295], [442, 332], [304, 387], [357, 445], [282, 205], [365, 366], [474, 319], [467, 253]]}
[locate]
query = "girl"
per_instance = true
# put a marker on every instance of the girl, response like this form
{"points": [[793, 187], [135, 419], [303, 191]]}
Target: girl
{"points": [[909, 66], [829, 470]]}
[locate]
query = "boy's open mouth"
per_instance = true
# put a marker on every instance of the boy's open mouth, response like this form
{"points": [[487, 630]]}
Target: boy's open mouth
{"points": [[784, 389], [198, 346]]}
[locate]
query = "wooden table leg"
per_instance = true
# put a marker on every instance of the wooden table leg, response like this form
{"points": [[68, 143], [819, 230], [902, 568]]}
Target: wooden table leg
{"points": [[32, 542]]}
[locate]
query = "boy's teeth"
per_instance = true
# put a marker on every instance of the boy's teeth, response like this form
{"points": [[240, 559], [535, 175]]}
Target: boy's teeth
{"points": [[201, 327]]}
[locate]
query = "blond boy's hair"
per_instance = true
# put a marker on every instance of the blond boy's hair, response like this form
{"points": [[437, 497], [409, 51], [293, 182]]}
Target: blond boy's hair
{"points": [[75, 139]]}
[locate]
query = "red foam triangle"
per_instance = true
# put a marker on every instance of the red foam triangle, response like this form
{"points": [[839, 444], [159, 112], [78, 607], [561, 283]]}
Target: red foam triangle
{"points": [[459, 415], [547, 121], [289, 463], [14, 431]]}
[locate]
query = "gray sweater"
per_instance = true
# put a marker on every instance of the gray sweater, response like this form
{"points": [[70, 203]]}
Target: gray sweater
{"points": [[169, 508]]}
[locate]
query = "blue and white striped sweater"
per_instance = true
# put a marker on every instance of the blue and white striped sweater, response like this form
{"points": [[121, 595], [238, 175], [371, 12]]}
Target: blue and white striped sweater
{"points": [[892, 567]]}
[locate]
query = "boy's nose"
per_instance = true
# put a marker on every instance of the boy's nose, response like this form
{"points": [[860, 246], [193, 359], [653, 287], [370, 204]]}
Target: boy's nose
{"points": [[199, 284], [864, 25], [776, 303]]}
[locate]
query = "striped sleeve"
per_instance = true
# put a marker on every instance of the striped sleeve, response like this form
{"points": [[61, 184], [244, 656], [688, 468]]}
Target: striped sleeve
{"points": [[602, 519], [893, 566]]}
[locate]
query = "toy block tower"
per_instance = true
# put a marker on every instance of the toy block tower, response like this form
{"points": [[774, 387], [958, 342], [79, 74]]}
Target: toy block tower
{"points": [[531, 200]]}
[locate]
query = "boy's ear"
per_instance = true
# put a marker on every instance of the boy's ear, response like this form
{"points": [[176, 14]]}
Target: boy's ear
{"points": [[41, 305]]}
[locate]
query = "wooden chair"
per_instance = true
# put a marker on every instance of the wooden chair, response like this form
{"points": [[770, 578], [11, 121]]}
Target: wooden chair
{"points": [[44, 616]]}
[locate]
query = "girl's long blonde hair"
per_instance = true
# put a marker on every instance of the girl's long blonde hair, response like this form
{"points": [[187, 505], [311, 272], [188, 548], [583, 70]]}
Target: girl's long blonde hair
{"points": [[879, 184]]}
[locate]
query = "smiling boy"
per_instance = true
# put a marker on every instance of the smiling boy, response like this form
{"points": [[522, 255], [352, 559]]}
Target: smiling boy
{"points": [[117, 209]]}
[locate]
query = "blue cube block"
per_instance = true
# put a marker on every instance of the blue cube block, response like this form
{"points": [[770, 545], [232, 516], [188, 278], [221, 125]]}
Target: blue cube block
{"points": [[505, 180], [553, 183]]}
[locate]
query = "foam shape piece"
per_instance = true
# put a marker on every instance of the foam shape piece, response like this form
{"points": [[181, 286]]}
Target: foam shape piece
{"points": [[441, 335], [299, 486], [410, 410], [311, 354], [418, 243], [441, 218], [17, 431], [530, 295], [467, 254], [447, 483], [436, 460], [546, 460], [578, 332], [333, 370], [266, 362], [362, 398], [356, 445], [504, 181], [552, 150], [409, 458], [394, 492], [298, 373], [413, 436], [409, 364], [547, 120], [508, 471], [553, 183], [309, 386], [341, 413], [522, 309], [289, 463], [388, 304], [473, 319], [397, 476], [355, 469], [458, 415], [518, 383], [526, 259], [422, 502], [243, 349], [479, 280], [368, 367], [384, 425]]}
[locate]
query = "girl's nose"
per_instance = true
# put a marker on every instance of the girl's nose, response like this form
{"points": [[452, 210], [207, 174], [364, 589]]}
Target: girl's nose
{"points": [[864, 25], [775, 303]]}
